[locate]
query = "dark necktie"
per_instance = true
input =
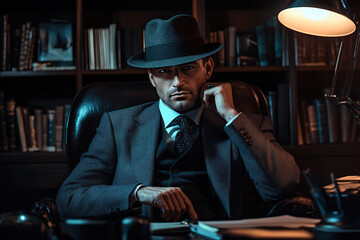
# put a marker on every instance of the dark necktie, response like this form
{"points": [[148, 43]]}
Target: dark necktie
{"points": [[184, 138]]}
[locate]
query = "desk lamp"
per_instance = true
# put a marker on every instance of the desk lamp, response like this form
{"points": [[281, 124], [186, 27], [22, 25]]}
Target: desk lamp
{"points": [[331, 18], [328, 18]]}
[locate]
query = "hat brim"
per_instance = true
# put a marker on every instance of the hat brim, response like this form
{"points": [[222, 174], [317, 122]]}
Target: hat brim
{"points": [[139, 61]]}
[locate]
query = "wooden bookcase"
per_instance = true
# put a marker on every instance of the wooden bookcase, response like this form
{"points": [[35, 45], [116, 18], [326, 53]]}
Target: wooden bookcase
{"points": [[58, 87]]}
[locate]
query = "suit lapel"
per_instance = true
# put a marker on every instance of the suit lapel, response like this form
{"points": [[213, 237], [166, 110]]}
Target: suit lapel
{"points": [[144, 142], [216, 147]]}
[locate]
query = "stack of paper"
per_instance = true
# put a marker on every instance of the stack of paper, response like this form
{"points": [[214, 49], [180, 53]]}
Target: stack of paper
{"points": [[280, 227]]}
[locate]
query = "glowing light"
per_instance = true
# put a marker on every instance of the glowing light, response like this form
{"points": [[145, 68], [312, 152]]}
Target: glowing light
{"points": [[22, 217], [315, 14]]}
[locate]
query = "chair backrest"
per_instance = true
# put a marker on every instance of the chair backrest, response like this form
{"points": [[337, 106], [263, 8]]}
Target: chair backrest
{"points": [[95, 99]]}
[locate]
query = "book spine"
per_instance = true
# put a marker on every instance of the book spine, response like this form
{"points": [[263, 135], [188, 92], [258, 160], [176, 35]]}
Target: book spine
{"points": [[59, 118], [51, 130], [332, 112], [3, 135], [345, 123], [321, 119], [31, 120], [262, 45], [32, 42], [38, 128], [91, 46], [44, 131], [25, 114], [271, 98], [313, 124], [21, 128], [305, 123], [221, 39], [11, 124], [5, 42]]}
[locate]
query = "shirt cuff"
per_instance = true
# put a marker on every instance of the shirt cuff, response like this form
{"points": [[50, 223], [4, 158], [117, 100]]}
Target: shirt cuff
{"points": [[133, 199], [231, 120]]}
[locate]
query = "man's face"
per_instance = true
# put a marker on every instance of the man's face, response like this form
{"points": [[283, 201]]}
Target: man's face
{"points": [[179, 86]]}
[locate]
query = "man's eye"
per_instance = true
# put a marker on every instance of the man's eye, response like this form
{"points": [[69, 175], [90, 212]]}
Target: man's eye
{"points": [[163, 70], [188, 67]]}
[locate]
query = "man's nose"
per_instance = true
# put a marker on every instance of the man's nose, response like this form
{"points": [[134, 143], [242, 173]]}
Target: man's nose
{"points": [[178, 79]]}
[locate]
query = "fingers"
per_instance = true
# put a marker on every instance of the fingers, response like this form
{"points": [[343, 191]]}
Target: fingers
{"points": [[207, 93], [189, 206], [171, 200], [177, 206]]}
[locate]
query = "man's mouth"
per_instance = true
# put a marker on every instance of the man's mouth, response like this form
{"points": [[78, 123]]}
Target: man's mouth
{"points": [[180, 94]]}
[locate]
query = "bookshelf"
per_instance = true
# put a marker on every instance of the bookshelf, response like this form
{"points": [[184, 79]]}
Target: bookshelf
{"points": [[57, 87]]}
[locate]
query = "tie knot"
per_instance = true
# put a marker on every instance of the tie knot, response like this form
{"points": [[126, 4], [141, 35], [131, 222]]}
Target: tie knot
{"points": [[185, 122]]}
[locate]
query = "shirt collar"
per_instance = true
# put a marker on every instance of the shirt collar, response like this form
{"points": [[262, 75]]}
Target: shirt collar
{"points": [[168, 114]]}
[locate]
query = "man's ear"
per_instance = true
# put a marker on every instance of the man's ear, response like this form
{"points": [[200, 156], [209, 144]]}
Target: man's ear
{"points": [[151, 77], [209, 67]]}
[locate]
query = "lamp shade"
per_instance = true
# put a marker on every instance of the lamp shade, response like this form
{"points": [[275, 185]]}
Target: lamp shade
{"points": [[326, 18]]}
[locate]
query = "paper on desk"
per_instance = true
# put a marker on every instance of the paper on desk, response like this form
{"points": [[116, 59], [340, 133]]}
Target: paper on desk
{"points": [[347, 184], [167, 226], [284, 221]]}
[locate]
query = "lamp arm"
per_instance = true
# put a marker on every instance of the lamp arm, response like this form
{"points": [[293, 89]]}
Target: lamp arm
{"points": [[354, 108]]}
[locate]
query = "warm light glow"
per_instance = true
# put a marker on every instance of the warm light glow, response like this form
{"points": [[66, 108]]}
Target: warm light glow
{"points": [[315, 14], [325, 24]]}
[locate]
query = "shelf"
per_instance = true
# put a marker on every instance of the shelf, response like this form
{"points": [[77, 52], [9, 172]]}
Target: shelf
{"points": [[37, 73], [250, 69], [32, 157], [125, 71], [314, 68]]}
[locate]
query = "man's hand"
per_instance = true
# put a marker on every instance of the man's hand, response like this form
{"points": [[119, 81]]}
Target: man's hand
{"points": [[171, 200], [220, 96]]}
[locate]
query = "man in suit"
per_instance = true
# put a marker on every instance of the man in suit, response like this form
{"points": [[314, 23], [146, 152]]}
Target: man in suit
{"points": [[185, 155]]}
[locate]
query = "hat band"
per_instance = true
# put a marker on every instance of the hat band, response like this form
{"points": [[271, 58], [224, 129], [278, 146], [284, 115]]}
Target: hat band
{"points": [[173, 50]]}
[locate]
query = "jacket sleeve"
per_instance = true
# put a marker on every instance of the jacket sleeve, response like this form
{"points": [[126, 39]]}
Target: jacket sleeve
{"points": [[273, 170], [88, 190]]}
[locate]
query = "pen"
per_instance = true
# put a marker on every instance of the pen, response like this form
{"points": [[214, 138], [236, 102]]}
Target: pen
{"points": [[337, 192], [319, 196]]}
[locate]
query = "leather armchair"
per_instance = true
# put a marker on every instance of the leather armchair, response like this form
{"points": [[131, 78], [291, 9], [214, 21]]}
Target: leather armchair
{"points": [[95, 99]]}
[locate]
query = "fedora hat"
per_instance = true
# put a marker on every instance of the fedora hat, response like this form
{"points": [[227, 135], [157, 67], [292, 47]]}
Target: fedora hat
{"points": [[172, 42]]}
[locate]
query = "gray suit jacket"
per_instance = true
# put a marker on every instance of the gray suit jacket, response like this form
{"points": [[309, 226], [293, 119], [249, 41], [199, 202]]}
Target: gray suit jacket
{"points": [[122, 155]]}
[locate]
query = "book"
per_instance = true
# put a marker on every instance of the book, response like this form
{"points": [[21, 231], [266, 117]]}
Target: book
{"points": [[3, 135], [21, 129], [304, 118], [221, 54], [313, 124], [345, 123], [38, 127], [32, 146], [59, 125], [332, 111], [321, 119], [44, 130], [283, 114], [25, 116], [5, 47], [262, 45], [91, 48], [270, 39], [231, 51], [246, 49], [51, 130]]}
